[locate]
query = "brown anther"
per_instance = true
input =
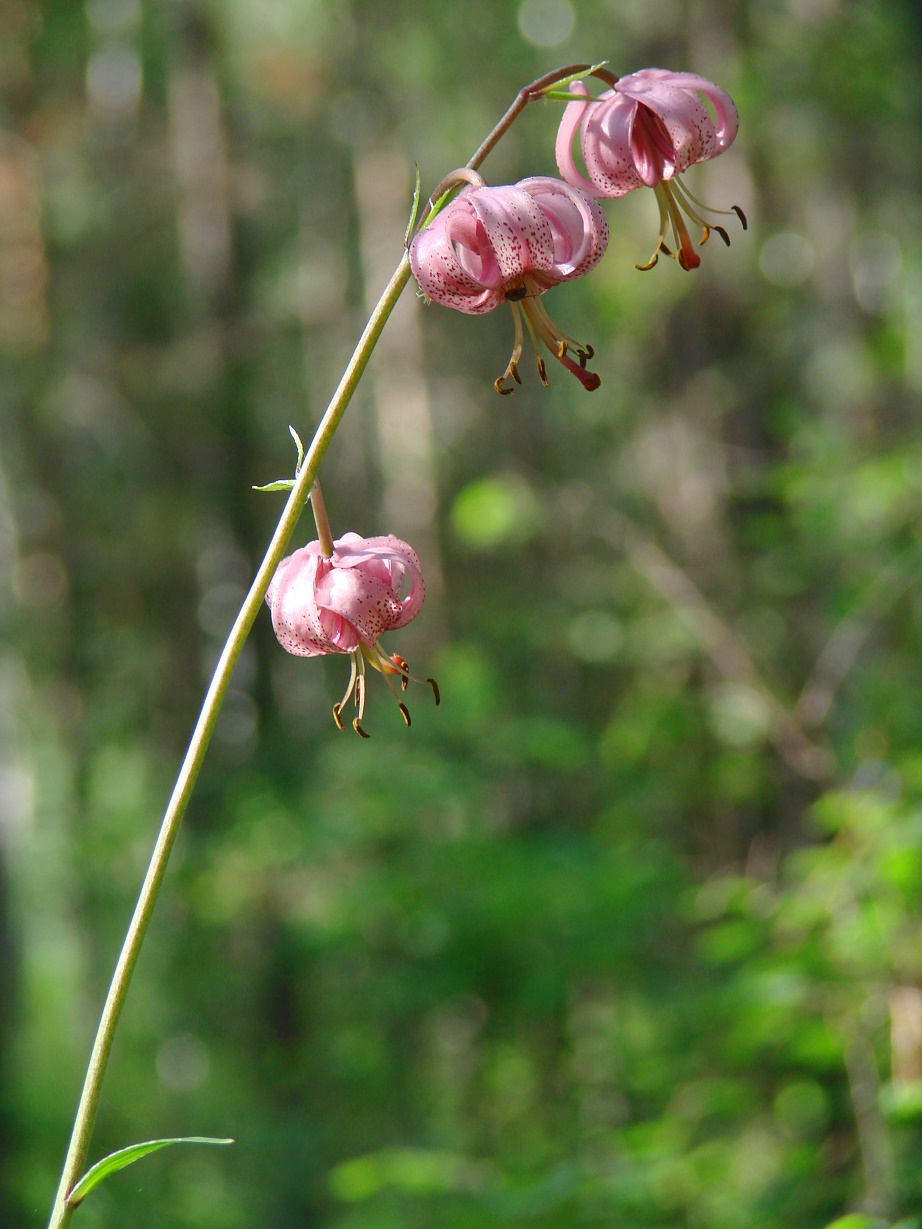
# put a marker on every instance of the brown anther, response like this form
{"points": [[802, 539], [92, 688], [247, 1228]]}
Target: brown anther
{"points": [[542, 372], [706, 234], [404, 669], [404, 712], [435, 691], [585, 355], [723, 234], [654, 260], [358, 729], [337, 709], [513, 371], [742, 217]]}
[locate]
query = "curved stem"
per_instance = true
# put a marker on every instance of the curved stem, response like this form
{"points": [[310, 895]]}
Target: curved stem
{"points": [[78, 1148], [75, 1160]]}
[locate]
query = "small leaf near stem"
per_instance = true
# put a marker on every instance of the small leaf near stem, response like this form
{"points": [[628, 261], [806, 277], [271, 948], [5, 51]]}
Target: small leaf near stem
{"points": [[558, 90], [281, 484], [414, 210], [300, 448], [127, 1156], [285, 484]]}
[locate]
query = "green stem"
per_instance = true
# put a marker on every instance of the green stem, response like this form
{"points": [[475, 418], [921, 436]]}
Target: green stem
{"points": [[78, 1148], [75, 1161]]}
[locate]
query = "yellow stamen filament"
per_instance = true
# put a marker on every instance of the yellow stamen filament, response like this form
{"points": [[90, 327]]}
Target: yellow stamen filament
{"points": [[512, 370], [524, 299], [528, 310], [674, 199], [387, 667]]}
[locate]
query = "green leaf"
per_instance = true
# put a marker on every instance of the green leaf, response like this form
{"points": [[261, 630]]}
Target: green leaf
{"points": [[297, 440], [857, 1220], [126, 1156], [414, 211], [285, 484], [557, 92], [280, 484]]}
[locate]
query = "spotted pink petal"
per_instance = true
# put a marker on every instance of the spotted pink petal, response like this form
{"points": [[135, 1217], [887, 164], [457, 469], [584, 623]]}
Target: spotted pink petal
{"points": [[389, 561], [485, 242], [295, 617], [651, 126], [334, 605], [579, 228], [453, 262], [607, 155]]}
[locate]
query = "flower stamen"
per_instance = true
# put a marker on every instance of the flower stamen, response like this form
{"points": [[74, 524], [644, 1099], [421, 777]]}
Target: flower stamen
{"points": [[559, 343], [512, 368], [674, 199], [386, 666]]}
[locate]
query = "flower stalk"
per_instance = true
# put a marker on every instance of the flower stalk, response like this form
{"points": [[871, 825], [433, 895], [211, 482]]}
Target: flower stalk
{"points": [[304, 487]]}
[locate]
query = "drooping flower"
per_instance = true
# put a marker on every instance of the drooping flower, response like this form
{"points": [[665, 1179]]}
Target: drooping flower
{"points": [[343, 603], [644, 132], [509, 245]]}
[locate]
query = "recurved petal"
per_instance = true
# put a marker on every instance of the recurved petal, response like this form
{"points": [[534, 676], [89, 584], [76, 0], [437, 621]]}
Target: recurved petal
{"points": [[291, 599], [607, 145], [605, 127], [356, 606], [517, 231], [725, 112], [390, 560], [674, 97], [579, 228], [572, 115], [442, 264]]}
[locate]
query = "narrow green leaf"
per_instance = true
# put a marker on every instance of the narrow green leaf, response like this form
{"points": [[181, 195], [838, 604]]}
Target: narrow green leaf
{"points": [[414, 211], [297, 440], [126, 1156], [551, 92], [281, 484], [440, 204]]}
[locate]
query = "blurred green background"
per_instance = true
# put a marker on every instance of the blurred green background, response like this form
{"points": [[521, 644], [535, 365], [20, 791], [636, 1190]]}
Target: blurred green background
{"points": [[628, 931]]}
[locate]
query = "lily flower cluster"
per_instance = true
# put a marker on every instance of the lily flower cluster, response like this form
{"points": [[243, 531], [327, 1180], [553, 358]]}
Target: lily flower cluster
{"points": [[510, 244]]}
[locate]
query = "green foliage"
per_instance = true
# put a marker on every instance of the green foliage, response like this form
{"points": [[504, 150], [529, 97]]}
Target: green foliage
{"points": [[127, 1156], [627, 931]]}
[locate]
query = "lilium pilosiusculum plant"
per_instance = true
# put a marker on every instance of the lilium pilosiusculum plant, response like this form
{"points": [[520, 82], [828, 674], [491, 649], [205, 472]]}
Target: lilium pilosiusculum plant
{"points": [[510, 244], [343, 602], [644, 132]]}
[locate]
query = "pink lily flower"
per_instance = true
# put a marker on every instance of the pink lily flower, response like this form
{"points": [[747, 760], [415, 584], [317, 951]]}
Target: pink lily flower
{"points": [[509, 245], [644, 132], [343, 603]]}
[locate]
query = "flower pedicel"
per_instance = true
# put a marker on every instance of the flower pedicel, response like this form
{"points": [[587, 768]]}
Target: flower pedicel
{"points": [[509, 245], [644, 132], [343, 603]]}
